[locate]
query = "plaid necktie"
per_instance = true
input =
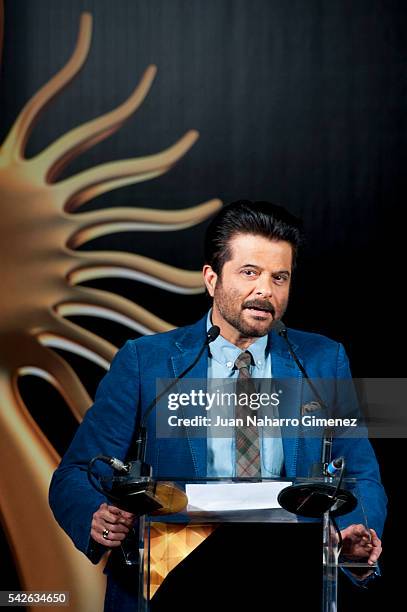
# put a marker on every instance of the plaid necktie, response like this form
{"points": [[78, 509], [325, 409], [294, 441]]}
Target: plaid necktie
{"points": [[247, 436]]}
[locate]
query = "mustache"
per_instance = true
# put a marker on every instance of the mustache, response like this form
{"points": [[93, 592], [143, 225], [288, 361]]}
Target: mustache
{"points": [[260, 305]]}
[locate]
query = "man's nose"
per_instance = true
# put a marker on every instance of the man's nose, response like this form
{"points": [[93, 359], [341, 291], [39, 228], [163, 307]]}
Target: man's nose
{"points": [[265, 287]]}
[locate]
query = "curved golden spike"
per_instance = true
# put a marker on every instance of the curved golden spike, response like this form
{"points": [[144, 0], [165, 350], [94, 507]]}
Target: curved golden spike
{"points": [[94, 191], [103, 264], [78, 189], [94, 272], [31, 459], [68, 336], [112, 220], [15, 142], [64, 378], [97, 300], [55, 370], [82, 308], [55, 157]]}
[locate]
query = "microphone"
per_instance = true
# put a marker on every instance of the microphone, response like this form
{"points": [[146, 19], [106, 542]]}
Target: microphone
{"points": [[212, 333], [335, 466], [314, 499], [133, 488]]}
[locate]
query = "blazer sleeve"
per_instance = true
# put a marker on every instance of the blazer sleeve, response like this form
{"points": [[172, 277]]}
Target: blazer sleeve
{"points": [[361, 463], [107, 429]]}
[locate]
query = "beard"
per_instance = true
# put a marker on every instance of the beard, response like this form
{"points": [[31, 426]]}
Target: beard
{"points": [[232, 311]]}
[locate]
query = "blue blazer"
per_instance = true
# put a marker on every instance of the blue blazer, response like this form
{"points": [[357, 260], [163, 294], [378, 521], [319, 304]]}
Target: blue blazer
{"points": [[130, 385]]}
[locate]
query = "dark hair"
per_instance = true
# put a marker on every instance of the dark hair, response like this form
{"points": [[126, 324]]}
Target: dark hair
{"points": [[246, 217]]}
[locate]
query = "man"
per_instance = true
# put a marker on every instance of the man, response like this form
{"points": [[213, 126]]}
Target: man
{"points": [[250, 253]]}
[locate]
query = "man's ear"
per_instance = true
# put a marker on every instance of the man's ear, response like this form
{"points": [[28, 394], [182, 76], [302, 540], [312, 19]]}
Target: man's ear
{"points": [[210, 279]]}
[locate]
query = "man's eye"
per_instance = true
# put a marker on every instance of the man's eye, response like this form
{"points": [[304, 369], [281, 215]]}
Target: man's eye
{"points": [[280, 278], [249, 272]]}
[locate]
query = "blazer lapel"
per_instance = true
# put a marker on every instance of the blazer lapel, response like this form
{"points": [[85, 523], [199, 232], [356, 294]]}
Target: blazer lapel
{"points": [[284, 367], [188, 348]]}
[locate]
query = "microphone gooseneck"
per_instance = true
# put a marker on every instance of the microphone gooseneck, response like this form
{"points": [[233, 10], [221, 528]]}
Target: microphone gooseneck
{"points": [[316, 498], [132, 486], [211, 335], [326, 451], [141, 441], [281, 329]]}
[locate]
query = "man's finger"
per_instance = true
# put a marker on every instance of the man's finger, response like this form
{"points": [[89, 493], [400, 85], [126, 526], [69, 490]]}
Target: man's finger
{"points": [[112, 536], [101, 540], [376, 552], [103, 520], [113, 518], [361, 531], [100, 526], [123, 513], [115, 528], [373, 558], [127, 515], [120, 516], [375, 537], [112, 532], [109, 517], [353, 532]]}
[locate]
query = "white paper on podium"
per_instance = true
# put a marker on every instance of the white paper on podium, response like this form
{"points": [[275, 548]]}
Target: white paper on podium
{"points": [[222, 497]]}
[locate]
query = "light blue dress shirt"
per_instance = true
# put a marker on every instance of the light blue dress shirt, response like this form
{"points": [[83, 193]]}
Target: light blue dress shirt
{"points": [[222, 451]]}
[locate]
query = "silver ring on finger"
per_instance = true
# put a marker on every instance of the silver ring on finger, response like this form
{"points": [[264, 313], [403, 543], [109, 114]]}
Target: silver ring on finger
{"points": [[105, 534]]}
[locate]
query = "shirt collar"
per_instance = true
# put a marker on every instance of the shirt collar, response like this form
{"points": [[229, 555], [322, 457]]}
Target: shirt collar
{"points": [[225, 353]]}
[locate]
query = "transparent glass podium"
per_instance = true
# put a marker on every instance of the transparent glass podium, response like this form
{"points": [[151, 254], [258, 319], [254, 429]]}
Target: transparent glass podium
{"points": [[168, 541]]}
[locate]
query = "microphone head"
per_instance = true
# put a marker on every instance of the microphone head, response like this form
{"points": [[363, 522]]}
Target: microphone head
{"points": [[212, 333], [279, 327]]}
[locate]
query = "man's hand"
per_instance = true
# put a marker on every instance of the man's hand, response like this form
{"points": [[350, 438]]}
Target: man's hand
{"points": [[360, 543], [114, 523]]}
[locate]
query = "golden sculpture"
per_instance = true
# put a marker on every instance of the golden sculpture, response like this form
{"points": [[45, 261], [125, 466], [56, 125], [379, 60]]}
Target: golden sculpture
{"points": [[40, 274], [169, 545]]}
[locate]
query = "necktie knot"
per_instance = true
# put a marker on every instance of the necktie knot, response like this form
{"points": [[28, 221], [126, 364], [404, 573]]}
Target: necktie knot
{"points": [[244, 360]]}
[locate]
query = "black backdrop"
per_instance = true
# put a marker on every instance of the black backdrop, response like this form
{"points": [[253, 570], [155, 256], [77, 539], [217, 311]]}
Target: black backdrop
{"points": [[299, 102]]}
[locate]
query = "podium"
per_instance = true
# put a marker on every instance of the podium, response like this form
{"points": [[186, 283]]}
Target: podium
{"points": [[194, 558]]}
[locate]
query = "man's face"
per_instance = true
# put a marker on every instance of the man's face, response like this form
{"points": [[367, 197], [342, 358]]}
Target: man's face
{"points": [[253, 287]]}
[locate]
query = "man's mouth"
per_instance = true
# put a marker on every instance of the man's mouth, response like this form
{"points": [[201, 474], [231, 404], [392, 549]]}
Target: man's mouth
{"points": [[261, 311]]}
